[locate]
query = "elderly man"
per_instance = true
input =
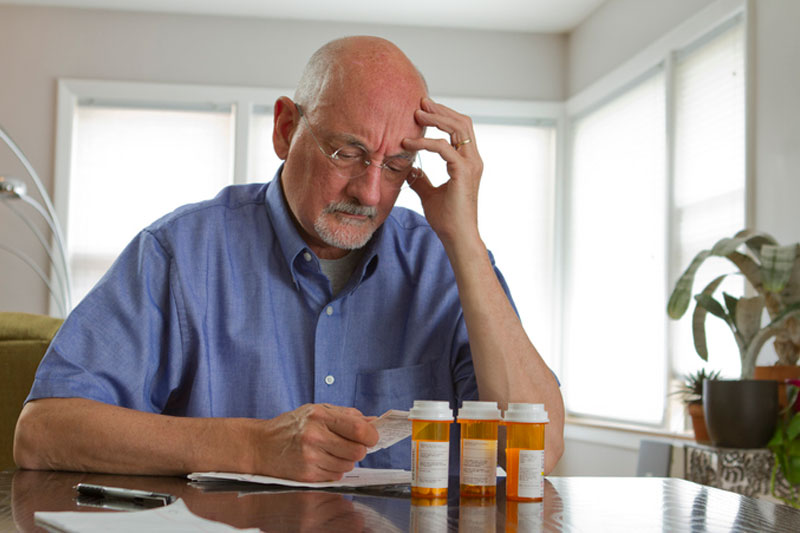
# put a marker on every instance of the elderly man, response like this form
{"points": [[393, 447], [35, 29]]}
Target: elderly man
{"points": [[258, 332]]}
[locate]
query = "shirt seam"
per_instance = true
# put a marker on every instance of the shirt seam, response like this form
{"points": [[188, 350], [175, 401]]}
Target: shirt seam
{"points": [[203, 206], [176, 294]]}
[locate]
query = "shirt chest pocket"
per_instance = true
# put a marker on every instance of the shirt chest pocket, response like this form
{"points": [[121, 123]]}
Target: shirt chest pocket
{"points": [[395, 388]]}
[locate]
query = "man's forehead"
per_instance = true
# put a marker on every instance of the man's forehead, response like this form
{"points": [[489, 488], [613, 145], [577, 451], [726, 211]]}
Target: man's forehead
{"points": [[362, 120]]}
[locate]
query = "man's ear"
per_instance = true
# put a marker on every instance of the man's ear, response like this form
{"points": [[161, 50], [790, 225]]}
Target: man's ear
{"points": [[285, 117]]}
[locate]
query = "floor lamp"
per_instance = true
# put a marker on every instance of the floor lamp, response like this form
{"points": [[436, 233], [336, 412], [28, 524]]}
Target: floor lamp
{"points": [[13, 191]]}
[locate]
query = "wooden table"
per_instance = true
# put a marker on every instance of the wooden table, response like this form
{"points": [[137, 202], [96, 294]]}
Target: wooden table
{"points": [[574, 504]]}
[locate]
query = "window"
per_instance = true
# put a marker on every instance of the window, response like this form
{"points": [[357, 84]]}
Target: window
{"points": [[613, 325], [263, 159], [656, 173], [130, 167]]}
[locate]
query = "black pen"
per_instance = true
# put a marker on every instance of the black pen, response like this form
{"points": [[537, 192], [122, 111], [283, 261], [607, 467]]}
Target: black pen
{"points": [[119, 493]]}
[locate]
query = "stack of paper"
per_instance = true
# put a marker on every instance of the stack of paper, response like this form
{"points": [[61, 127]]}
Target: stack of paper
{"points": [[176, 518], [358, 477]]}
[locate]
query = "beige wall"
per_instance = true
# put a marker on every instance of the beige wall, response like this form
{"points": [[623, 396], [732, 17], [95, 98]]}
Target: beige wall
{"points": [[40, 45], [616, 31], [777, 119]]}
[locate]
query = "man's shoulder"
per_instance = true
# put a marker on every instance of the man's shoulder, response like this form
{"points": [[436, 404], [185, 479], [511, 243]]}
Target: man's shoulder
{"points": [[230, 201], [408, 222], [410, 234]]}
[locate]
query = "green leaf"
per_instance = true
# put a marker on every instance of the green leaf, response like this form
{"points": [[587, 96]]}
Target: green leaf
{"points": [[699, 320], [712, 306], [679, 299], [749, 269], [791, 310], [792, 472], [794, 427], [791, 447], [776, 266], [730, 303], [755, 240], [726, 247], [748, 320], [775, 442]]}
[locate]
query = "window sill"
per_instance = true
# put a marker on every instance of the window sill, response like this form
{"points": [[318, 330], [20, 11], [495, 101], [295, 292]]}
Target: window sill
{"points": [[616, 434]]}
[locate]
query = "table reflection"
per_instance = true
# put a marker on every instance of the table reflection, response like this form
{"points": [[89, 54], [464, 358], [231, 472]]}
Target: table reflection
{"points": [[270, 510], [569, 504]]}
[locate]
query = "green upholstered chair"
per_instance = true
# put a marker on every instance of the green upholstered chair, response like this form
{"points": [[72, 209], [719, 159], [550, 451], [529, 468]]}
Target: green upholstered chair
{"points": [[23, 341]]}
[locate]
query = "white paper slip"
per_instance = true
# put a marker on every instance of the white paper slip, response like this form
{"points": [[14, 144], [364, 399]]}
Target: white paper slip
{"points": [[175, 518], [357, 477], [393, 426]]}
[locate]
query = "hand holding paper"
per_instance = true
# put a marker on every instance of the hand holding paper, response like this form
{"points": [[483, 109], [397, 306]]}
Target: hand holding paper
{"points": [[393, 426], [315, 442]]}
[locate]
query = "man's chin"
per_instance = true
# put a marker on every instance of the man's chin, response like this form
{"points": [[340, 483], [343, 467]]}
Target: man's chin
{"points": [[346, 235]]}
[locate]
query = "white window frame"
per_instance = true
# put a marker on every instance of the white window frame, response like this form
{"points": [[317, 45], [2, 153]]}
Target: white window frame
{"points": [[660, 52], [198, 97]]}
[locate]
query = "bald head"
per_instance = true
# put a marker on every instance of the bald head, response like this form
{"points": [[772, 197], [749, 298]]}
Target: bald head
{"points": [[362, 65]]}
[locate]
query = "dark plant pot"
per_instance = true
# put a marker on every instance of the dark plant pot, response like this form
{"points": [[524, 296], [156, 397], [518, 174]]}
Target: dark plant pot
{"points": [[740, 414]]}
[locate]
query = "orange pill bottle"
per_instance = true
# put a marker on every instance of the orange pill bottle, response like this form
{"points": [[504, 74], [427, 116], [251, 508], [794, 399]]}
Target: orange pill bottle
{"points": [[479, 422], [525, 424], [430, 448]]}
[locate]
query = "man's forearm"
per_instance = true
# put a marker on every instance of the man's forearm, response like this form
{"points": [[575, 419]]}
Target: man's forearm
{"points": [[507, 366], [85, 435], [315, 442]]}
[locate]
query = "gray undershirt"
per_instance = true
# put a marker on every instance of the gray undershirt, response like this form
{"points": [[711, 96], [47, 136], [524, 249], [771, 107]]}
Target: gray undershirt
{"points": [[340, 270]]}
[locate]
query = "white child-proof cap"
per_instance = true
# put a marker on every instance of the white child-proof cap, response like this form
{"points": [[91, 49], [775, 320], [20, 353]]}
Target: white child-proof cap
{"points": [[430, 410], [526, 413], [479, 411]]}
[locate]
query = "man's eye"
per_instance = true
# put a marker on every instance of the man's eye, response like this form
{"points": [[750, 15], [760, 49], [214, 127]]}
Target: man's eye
{"points": [[398, 165], [349, 155]]}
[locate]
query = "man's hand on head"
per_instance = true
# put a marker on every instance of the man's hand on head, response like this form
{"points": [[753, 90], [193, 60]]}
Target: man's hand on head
{"points": [[315, 442], [451, 208]]}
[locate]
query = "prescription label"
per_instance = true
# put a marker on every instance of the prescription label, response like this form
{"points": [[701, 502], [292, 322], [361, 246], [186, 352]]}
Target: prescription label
{"points": [[429, 464], [478, 462], [531, 474]]}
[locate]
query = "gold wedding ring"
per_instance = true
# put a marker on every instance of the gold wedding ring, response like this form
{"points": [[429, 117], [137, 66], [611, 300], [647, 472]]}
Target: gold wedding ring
{"points": [[462, 143]]}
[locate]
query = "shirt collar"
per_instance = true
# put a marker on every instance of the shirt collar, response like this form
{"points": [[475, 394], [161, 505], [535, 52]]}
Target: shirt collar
{"points": [[292, 244]]}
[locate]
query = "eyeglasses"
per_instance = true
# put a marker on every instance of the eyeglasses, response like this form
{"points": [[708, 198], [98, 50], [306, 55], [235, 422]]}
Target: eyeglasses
{"points": [[352, 161]]}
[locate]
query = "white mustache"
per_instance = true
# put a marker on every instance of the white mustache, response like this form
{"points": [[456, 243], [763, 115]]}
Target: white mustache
{"points": [[352, 209]]}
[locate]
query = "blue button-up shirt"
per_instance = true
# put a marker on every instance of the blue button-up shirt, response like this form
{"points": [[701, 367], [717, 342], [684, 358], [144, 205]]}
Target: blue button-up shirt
{"points": [[220, 309]]}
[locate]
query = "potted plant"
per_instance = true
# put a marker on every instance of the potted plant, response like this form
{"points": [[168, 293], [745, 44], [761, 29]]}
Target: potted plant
{"points": [[773, 273], [691, 393], [785, 447]]}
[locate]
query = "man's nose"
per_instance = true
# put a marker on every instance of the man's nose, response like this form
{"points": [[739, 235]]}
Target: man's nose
{"points": [[367, 187]]}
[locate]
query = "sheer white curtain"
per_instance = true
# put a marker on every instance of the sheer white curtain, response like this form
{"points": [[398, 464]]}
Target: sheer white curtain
{"points": [[709, 181], [614, 339], [131, 166]]}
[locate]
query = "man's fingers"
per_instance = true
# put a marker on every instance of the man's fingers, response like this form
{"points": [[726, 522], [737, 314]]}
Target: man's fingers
{"points": [[442, 117], [351, 428], [439, 146]]}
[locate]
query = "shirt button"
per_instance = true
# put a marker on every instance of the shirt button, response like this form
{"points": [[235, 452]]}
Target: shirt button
{"points": [[307, 256], [329, 380], [329, 310]]}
